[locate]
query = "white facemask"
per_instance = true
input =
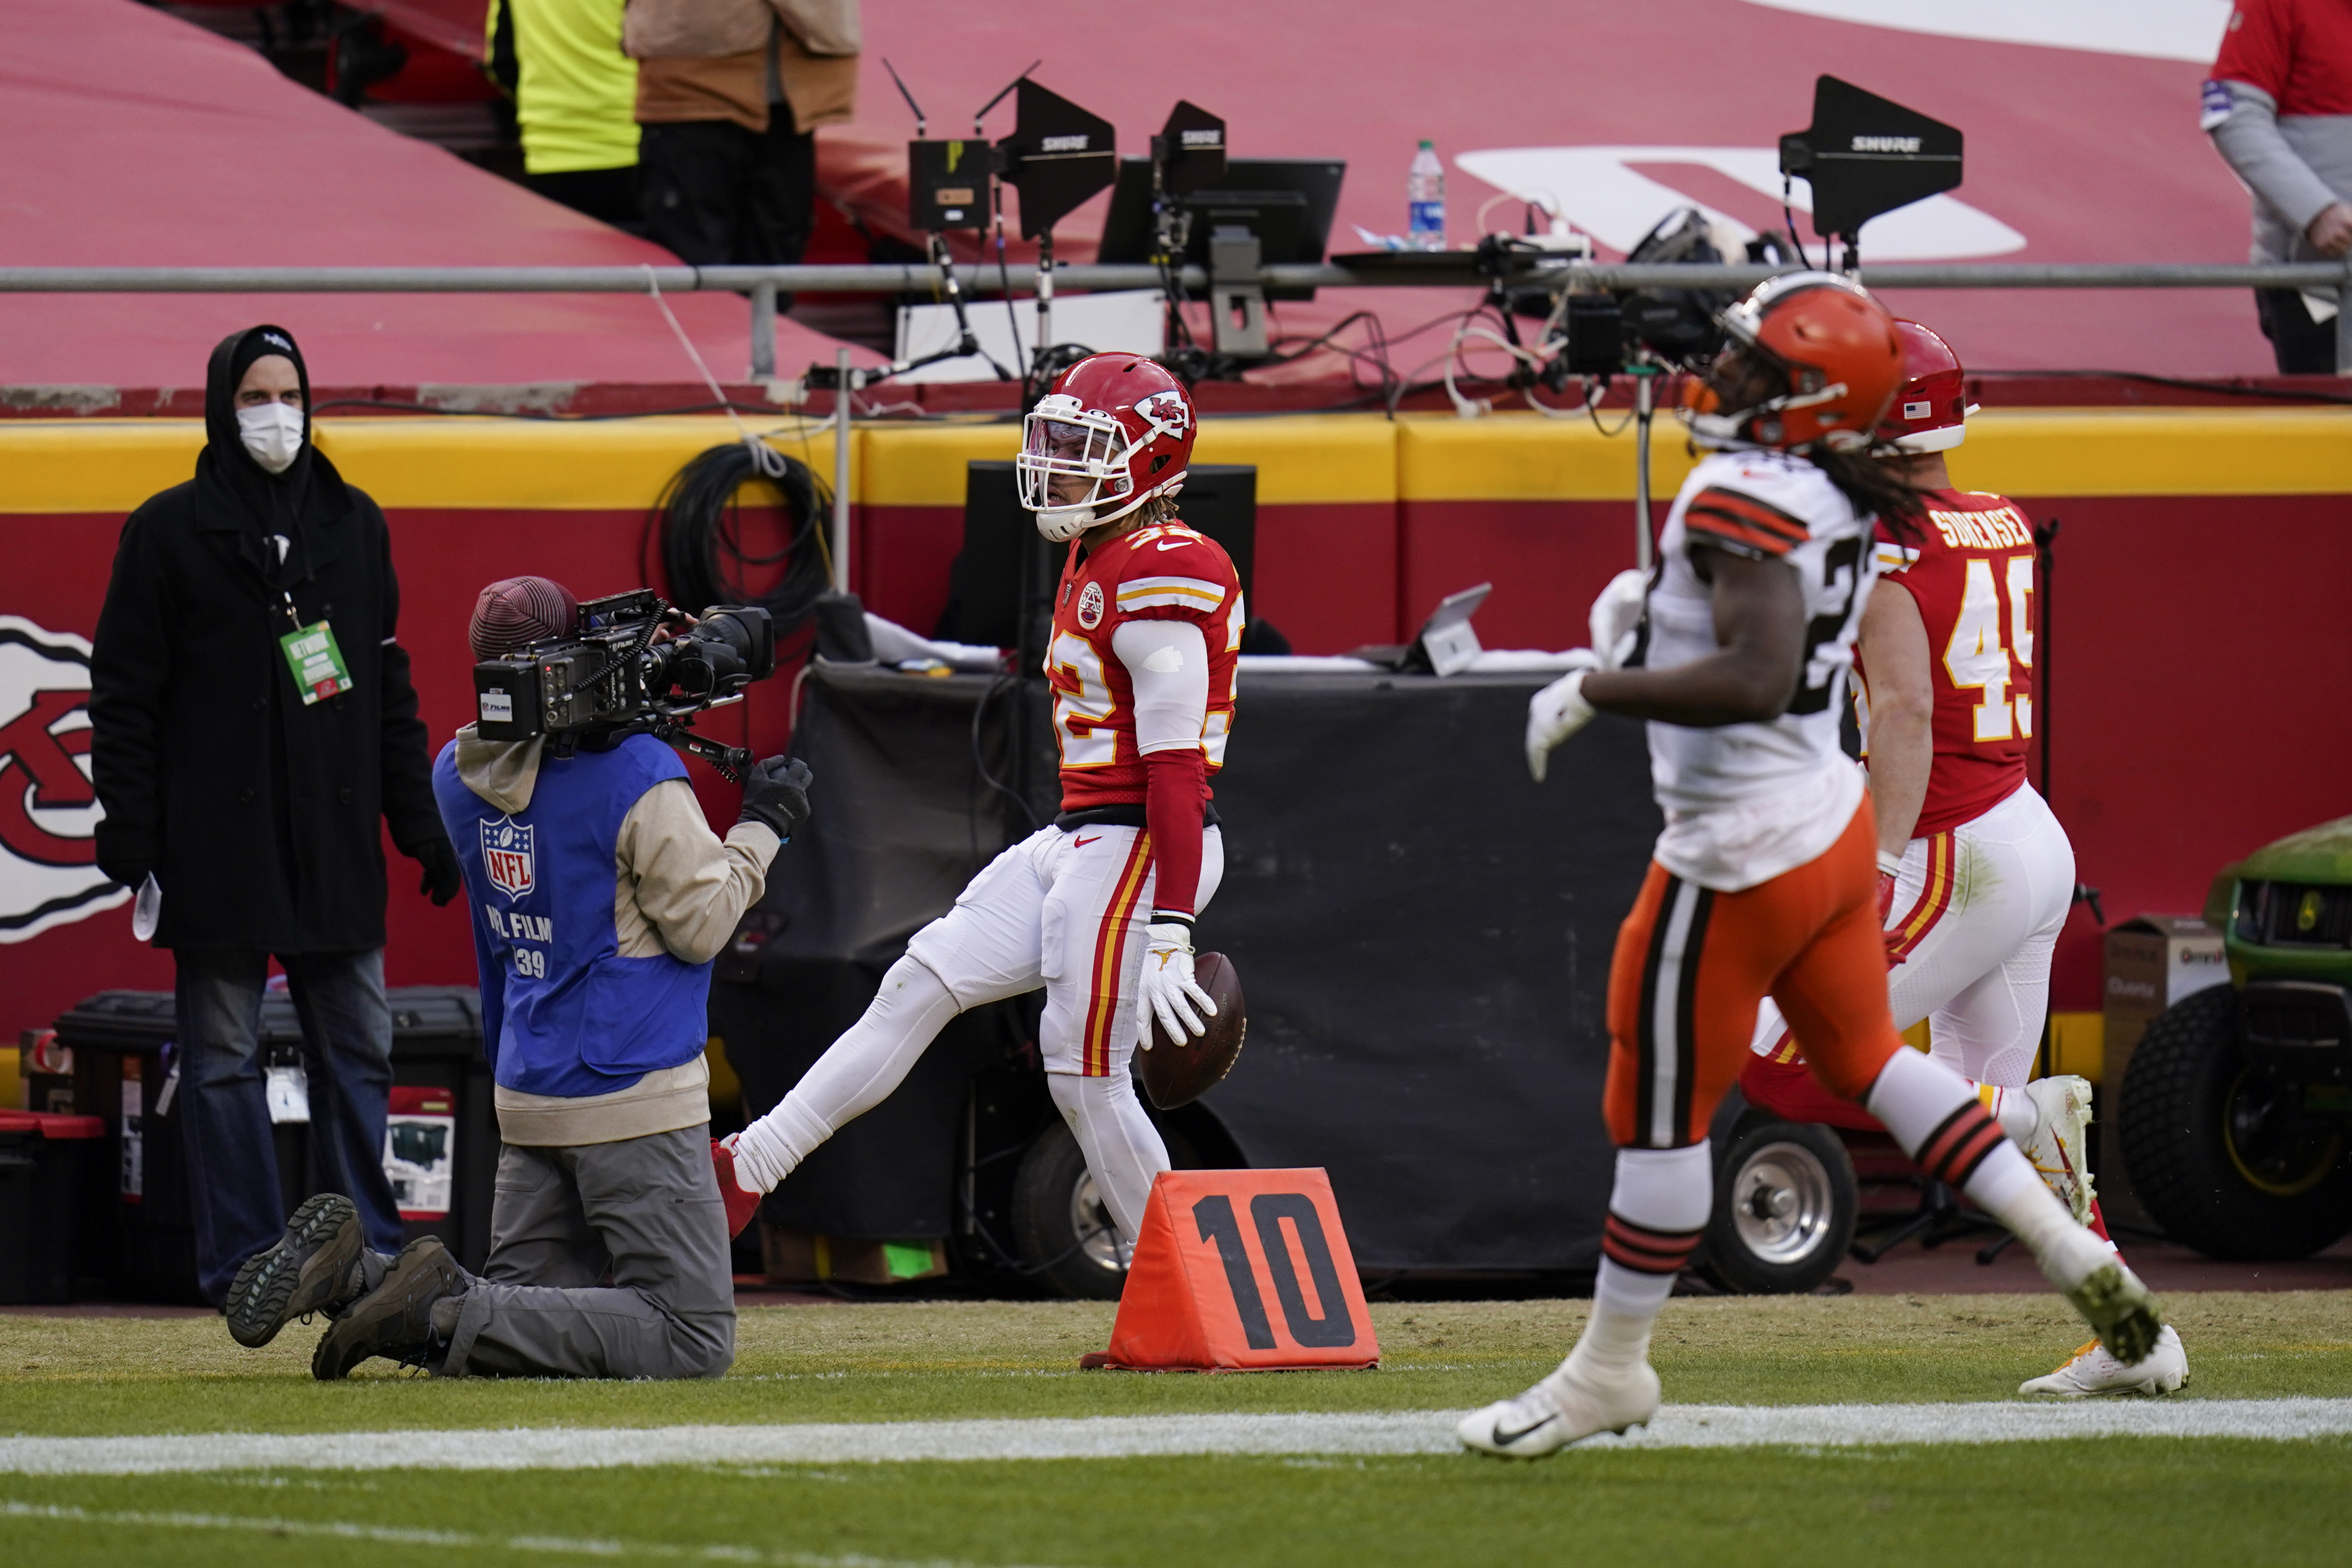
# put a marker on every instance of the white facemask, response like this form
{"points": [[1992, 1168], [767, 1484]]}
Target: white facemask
{"points": [[273, 433]]}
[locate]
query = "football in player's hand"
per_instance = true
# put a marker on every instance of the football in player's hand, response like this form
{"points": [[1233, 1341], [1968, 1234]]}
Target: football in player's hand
{"points": [[1180, 1070]]}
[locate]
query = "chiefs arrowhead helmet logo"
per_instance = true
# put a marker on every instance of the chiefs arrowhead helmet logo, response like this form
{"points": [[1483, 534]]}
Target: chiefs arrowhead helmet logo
{"points": [[49, 809]]}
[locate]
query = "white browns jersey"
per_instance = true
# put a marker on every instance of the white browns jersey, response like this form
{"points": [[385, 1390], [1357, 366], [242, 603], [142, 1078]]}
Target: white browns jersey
{"points": [[1745, 802]]}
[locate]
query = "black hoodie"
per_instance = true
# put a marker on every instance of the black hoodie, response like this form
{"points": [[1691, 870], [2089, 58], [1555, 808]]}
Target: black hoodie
{"points": [[258, 814]]}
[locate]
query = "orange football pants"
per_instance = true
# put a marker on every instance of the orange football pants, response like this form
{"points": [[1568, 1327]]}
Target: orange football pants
{"points": [[1692, 965]]}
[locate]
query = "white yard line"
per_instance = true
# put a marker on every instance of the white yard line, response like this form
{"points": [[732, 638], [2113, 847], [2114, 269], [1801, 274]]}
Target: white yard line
{"points": [[1124, 1436], [453, 1540]]}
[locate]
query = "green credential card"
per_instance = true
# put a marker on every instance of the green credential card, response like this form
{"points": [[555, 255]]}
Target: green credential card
{"points": [[315, 661]]}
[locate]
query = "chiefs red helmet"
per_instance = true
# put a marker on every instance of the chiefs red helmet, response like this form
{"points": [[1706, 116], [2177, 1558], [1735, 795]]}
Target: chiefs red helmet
{"points": [[1115, 431], [1930, 412], [1813, 360]]}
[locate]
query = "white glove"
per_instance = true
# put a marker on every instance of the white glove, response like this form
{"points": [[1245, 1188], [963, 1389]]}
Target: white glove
{"points": [[1168, 991], [1554, 713], [1616, 614]]}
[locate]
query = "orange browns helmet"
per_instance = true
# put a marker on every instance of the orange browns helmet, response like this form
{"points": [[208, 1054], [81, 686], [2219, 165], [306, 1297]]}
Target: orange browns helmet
{"points": [[1115, 431], [1832, 349], [1930, 412]]}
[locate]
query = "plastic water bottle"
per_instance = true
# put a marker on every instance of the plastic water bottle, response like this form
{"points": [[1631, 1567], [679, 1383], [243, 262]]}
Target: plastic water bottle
{"points": [[1424, 190]]}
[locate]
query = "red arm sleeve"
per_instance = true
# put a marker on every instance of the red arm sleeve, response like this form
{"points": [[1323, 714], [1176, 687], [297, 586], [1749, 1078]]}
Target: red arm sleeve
{"points": [[1174, 782]]}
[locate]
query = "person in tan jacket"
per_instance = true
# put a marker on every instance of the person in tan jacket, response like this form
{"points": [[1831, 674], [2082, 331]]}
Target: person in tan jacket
{"points": [[599, 897], [729, 95]]}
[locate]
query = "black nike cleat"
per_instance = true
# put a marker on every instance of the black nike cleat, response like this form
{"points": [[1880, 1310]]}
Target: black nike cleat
{"points": [[395, 1319], [308, 1269]]}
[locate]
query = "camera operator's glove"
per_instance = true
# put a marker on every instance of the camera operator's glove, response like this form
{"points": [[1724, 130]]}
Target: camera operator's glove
{"points": [[1556, 713], [1168, 991], [775, 792], [443, 878], [1615, 616]]}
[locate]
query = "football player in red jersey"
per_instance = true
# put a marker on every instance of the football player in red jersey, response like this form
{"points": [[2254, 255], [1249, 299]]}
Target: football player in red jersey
{"points": [[1975, 875], [1097, 907]]}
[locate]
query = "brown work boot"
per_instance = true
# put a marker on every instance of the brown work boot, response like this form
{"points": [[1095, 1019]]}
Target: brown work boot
{"points": [[313, 1268], [395, 1319]]}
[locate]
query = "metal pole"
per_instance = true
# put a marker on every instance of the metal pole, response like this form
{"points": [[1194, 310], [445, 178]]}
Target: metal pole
{"points": [[841, 471], [986, 280], [2344, 325], [1644, 379], [1044, 303], [763, 331]]}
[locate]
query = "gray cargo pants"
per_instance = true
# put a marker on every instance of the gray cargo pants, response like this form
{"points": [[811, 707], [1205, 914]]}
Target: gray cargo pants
{"points": [[644, 1212]]}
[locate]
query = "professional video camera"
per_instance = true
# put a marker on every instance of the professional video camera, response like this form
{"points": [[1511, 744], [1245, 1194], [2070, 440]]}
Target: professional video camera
{"points": [[611, 678]]}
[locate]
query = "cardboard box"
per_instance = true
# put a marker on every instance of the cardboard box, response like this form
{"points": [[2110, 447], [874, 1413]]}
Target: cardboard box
{"points": [[2153, 962]]}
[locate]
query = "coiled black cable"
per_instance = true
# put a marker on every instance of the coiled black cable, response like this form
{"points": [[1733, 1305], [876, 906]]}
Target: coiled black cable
{"points": [[699, 517]]}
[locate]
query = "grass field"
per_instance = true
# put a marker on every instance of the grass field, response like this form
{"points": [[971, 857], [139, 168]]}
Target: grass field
{"points": [[2150, 1499]]}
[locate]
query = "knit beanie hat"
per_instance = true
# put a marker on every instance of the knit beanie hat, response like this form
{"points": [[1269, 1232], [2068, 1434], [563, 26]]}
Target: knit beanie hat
{"points": [[513, 613]]}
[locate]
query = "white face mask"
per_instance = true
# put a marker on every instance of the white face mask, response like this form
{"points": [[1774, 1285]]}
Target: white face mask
{"points": [[273, 433]]}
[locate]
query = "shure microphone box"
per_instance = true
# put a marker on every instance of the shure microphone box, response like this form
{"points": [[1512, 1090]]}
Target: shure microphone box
{"points": [[2153, 962]]}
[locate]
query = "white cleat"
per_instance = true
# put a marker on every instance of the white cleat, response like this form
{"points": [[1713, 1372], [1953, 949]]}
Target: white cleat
{"points": [[2093, 1371], [1564, 1408], [2060, 1148]]}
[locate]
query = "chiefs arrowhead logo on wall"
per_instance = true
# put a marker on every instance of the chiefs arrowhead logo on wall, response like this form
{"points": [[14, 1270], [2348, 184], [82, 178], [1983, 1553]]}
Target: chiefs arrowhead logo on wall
{"points": [[507, 858], [48, 810]]}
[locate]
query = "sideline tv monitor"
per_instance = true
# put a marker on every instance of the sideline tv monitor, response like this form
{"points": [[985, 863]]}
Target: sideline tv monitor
{"points": [[1287, 204]]}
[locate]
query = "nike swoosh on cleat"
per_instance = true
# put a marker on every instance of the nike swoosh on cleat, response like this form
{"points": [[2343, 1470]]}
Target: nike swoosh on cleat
{"points": [[1504, 1440]]}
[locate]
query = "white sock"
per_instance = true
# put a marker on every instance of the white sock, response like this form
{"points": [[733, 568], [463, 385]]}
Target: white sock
{"points": [[1657, 1206], [2011, 1109], [1123, 1149], [856, 1073], [1935, 1115]]}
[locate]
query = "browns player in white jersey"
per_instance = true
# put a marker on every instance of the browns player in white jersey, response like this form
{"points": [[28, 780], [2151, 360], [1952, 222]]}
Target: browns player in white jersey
{"points": [[1975, 875], [1763, 880], [1097, 907]]}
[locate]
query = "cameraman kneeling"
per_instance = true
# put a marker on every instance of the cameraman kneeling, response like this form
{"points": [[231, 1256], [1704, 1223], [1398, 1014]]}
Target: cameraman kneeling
{"points": [[599, 897]]}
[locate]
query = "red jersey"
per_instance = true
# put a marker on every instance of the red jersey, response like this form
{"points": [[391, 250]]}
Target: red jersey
{"points": [[1165, 572], [1972, 576], [2298, 51]]}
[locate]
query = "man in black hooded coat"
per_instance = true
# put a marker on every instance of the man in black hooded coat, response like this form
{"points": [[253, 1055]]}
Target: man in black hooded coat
{"points": [[253, 811]]}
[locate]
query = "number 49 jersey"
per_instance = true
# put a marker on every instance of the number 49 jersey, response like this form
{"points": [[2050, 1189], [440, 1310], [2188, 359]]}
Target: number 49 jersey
{"points": [[1745, 802], [1971, 574], [1165, 572]]}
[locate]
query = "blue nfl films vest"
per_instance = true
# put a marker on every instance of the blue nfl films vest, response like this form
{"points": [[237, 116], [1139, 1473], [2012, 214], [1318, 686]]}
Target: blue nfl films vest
{"points": [[563, 1012]]}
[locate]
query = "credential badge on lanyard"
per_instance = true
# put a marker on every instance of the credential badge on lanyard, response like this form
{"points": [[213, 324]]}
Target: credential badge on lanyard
{"points": [[314, 659]]}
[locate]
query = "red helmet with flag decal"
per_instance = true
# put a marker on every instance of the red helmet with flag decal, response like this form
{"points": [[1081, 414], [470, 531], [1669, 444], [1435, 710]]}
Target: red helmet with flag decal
{"points": [[1115, 431], [1930, 412]]}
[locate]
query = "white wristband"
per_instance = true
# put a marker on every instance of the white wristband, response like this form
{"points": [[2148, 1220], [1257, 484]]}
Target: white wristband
{"points": [[1890, 862]]}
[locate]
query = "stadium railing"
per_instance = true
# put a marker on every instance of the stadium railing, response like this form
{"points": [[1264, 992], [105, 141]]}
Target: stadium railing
{"points": [[762, 284]]}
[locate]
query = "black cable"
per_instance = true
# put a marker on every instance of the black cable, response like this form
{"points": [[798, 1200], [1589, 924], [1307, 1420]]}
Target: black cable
{"points": [[702, 551], [980, 763], [765, 410], [2224, 388]]}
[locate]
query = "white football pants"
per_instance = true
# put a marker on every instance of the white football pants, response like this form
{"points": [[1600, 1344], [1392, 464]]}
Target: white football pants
{"points": [[1066, 910], [1979, 908]]}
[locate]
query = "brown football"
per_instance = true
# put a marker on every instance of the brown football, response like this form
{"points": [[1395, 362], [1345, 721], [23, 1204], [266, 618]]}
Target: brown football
{"points": [[1179, 1072]]}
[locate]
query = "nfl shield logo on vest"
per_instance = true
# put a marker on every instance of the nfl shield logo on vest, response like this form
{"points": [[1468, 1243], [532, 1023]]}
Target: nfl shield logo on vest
{"points": [[507, 857]]}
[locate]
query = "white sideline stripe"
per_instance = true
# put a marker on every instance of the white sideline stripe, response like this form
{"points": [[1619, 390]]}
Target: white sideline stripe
{"points": [[397, 1535], [1124, 1436]]}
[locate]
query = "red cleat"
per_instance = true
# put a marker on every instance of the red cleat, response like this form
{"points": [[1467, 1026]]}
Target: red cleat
{"points": [[741, 1204]]}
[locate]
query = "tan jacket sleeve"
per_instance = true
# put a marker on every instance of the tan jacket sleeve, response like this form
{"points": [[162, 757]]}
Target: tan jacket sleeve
{"points": [[681, 889], [822, 27]]}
